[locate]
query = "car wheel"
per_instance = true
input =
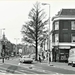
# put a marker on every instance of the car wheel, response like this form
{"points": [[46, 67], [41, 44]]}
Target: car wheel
{"points": [[69, 64], [73, 65], [30, 62]]}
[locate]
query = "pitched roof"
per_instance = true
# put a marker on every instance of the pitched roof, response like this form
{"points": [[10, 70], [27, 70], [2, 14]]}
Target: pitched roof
{"points": [[65, 12]]}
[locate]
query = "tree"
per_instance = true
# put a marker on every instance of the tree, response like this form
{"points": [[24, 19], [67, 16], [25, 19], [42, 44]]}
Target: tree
{"points": [[34, 30]]}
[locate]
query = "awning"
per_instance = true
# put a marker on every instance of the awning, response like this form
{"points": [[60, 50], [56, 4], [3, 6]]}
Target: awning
{"points": [[64, 47]]}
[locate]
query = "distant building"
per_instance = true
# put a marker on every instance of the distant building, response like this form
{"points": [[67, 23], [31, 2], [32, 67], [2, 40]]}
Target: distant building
{"points": [[63, 36], [28, 49], [0, 48]]}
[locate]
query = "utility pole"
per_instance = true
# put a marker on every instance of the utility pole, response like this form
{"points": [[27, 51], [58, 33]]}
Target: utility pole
{"points": [[16, 44], [49, 49]]}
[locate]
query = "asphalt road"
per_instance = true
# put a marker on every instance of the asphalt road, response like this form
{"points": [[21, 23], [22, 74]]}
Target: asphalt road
{"points": [[20, 70], [15, 67]]}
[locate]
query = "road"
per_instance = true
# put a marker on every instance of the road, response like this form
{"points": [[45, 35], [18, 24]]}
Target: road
{"points": [[13, 66]]}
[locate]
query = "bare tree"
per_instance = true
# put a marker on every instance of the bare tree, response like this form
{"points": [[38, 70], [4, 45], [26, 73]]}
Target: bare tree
{"points": [[34, 30]]}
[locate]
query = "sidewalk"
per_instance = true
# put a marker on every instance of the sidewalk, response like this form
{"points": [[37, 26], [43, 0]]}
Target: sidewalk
{"points": [[61, 65]]}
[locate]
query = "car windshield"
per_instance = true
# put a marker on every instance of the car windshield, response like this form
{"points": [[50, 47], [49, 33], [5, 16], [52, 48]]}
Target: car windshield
{"points": [[26, 56]]}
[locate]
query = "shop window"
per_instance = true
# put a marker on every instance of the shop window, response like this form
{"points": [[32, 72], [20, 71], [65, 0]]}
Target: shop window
{"points": [[73, 25], [57, 25]]}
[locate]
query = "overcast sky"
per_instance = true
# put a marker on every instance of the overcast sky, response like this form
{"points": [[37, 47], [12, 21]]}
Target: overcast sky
{"points": [[13, 14]]}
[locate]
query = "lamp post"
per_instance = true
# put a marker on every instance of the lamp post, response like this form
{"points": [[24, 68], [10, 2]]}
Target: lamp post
{"points": [[16, 44], [48, 34], [1, 32], [56, 50]]}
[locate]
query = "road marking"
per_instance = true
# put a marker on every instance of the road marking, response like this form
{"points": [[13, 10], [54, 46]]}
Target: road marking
{"points": [[18, 71], [36, 69], [43, 70], [28, 71], [19, 63], [10, 70], [32, 65]]}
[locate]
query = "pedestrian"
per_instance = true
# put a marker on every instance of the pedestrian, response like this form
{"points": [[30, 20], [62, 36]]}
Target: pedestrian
{"points": [[43, 57], [39, 59], [49, 59]]}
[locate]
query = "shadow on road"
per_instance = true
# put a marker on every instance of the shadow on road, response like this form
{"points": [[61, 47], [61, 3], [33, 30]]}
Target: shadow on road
{"points": [[11, 69]]}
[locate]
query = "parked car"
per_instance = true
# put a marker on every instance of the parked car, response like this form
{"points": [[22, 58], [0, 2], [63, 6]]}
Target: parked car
{"points": [[26, 58], [32, 56], [71, 59]]}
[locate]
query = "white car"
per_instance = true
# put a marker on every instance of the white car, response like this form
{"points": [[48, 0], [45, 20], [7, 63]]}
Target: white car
{"points": [[32, 56], [71, 59], [26, 58]]}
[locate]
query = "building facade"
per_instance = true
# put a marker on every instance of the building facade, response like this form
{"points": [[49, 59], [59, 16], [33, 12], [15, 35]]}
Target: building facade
{"points": [[63, 35]]}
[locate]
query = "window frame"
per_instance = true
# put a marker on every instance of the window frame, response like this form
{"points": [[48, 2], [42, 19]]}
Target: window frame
{"points": [[72, 38], [72, 25], [56, 25], [56, 38]]}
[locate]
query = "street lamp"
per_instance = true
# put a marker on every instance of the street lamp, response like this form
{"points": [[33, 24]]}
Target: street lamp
{"points": [[1, 32], [16, 44], [49, 32]]}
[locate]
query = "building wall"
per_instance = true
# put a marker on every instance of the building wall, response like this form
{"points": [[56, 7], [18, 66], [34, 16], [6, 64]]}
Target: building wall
{"points": [[64, 31], [65, 40]]}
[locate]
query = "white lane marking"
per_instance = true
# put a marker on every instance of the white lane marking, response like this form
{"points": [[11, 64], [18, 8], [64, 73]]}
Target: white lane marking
{"points": [[28, 71], [43, 70], [32, 65], [19, 63]]}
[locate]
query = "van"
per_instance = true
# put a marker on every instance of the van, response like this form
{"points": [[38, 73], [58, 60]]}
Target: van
{"points": [[71, 59]]}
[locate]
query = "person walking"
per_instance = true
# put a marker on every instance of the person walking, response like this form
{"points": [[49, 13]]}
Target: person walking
{"points": [[39, 58]]}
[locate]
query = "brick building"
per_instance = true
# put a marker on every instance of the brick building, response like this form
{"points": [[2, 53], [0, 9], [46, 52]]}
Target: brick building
{"points": [[63, 36]]}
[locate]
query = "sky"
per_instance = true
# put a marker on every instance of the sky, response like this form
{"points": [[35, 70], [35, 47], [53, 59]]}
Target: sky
{"points": [[13, 14]]}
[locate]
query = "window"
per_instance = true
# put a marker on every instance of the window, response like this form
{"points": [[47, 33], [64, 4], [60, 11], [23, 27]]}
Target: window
{"points": [[57, 25], [73, 38], [65, 25], [73, 25], [56, 38], [65, 37]]}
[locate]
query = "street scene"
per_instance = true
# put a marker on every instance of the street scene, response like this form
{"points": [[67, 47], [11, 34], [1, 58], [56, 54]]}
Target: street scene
{"points": [[37, 37], [13, 66]]}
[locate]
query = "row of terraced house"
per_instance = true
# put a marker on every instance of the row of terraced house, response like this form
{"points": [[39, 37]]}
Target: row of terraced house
{"points": [[9, 47], [63, 35]]}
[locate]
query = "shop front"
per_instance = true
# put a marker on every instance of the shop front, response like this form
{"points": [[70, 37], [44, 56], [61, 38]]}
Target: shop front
{"points": [[60, 54]]}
